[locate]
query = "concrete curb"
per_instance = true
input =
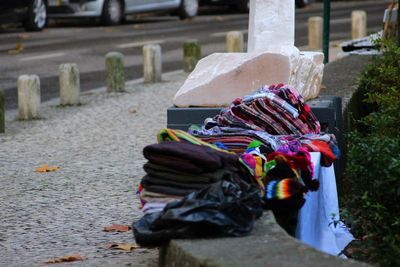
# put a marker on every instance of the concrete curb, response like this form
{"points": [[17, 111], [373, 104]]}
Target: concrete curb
{"points": [[267, 245]]}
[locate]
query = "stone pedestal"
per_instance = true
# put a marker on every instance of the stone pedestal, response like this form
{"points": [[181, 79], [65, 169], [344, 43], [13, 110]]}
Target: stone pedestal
{"points": [[115, 72], [28, 97], [69, 84], [234, 42], [152, 63], [191, 55], [272, 58], [315, 30], [358, 24]]}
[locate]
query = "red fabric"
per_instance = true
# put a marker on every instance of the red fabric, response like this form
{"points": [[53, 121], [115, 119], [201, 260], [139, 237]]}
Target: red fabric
{"points": [[299, 161], [325, 150]]}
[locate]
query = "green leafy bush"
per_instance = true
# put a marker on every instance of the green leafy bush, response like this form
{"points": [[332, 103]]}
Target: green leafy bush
{"points": [[372, 176]]}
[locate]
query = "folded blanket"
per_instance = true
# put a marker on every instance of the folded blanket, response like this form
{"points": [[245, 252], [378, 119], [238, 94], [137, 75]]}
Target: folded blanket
{"points": [[188, 157], [154, 180], [179, 176]]}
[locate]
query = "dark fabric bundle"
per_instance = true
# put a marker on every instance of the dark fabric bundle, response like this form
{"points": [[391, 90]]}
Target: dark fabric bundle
{"points": [[170, 174], [188, 157], [225, 208]]}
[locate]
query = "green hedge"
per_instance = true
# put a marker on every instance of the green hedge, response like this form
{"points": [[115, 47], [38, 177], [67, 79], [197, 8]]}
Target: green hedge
{"points": [[372, 176]]}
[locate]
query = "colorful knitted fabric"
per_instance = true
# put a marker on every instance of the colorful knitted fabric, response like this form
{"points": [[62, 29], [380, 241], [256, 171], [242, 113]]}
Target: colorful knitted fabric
{"points": [[179, 136], [284, 195], [301, 161], [283, 189], [278, 110], [254, 163]]}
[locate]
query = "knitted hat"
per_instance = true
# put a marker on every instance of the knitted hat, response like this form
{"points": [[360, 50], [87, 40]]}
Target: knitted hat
{"points": [[286, 194]]}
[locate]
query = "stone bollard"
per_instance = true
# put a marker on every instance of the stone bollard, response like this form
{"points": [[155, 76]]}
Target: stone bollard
{"points": [[152, 63], [315, 30], [358, 24], [115, 72], [234, 42], [28, 97], [69, 84], [191, 55], [2, 112]]}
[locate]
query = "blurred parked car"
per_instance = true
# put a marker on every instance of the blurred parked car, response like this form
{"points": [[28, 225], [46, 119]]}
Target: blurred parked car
{"points": [[31, 13], [112, 12], [243, 5]]}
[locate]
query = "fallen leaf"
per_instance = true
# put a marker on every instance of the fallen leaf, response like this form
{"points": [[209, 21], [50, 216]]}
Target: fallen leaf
{"points": [[18, 49], [122, 246], [68, 258], [47, 168], [117, 228]]}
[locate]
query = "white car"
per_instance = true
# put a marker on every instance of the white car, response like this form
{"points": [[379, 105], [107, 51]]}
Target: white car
{"points": [[111, 12]]}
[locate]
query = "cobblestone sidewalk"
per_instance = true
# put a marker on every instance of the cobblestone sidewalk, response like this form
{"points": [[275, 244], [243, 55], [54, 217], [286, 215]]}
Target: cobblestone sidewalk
{"points": [[98, 146]]}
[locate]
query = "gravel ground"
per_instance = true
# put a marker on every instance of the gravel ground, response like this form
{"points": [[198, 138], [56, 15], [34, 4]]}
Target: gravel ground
{"points": [[98, 146]]}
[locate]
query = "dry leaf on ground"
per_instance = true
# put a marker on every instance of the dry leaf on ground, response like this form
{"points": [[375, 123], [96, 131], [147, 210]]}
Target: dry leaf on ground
{"points": [[18, 49], [117, 228], [47, 168], [68, 258], [122, 246]]}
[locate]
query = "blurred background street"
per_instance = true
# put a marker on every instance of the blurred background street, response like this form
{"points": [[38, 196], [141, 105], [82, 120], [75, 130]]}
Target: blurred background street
{"points": [[85, 42]]}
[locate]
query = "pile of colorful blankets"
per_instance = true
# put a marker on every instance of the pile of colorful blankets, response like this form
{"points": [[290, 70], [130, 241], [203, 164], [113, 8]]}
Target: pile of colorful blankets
{"points": [[263, 140]]}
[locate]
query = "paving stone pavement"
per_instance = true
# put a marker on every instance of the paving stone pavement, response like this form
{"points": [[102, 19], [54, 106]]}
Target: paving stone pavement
{"points": [[98, 146]]}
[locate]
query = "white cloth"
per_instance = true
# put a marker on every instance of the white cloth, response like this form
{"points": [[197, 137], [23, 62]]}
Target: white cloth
{"points": [[319, 223]]}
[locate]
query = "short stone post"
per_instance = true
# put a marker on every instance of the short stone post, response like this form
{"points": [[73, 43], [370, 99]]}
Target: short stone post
{"points": [[358, 24], [28, 97], [152, 63], [191, 55], [2, 112], [234, 42], [115, 72], [69, 84], [315, 30]]}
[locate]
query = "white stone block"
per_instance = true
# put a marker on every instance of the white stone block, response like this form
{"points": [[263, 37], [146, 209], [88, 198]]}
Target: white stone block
{"points": [[28, 97], [307, 74], [69, 84], [221, 77], [271, 25]]}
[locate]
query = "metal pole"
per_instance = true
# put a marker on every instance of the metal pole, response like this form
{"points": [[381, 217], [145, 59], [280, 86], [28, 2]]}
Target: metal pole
{"points": [[327, 19], [398, 23]]}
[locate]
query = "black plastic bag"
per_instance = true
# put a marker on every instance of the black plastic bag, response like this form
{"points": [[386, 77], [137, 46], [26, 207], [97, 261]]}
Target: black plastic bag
{"points": [[225, 208]]}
